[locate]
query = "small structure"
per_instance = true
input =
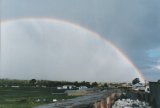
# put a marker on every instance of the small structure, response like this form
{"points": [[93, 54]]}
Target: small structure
{"points": [[15, 86], [125, 85], [54, 100], [139, 87], [67, 87], [147, 89], [59, 88], [83, 87], [38, 100]]}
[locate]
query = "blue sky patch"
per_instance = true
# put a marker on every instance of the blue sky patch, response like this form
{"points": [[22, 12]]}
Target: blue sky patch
{"points": [[154, 53]]}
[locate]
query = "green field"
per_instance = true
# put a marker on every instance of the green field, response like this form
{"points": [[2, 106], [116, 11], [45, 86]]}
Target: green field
{"points": [[27, 97]]}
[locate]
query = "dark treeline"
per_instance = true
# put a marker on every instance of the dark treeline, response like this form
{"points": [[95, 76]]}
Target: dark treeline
{"points": [[43, 83]]}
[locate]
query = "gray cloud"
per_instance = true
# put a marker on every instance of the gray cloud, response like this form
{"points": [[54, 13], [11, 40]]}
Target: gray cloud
{"points": [[133, 26], [57, 51]]}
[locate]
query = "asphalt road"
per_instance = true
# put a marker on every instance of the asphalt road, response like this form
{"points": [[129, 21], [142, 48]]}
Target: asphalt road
{"points": [[80, 102]]}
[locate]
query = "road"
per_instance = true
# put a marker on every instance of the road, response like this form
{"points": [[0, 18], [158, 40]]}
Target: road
{"points": [[86, 101]]}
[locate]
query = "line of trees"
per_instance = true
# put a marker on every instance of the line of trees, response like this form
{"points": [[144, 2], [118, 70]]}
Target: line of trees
{"points": [[42, 83]]}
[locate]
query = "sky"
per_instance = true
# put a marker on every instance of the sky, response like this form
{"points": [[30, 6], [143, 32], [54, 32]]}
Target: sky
{"points": [[132, 26]]}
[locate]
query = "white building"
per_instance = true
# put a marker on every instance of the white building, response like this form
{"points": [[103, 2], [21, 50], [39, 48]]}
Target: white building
{"points": [[66, 87], [83, 87], [138, 86], [59, 88]]}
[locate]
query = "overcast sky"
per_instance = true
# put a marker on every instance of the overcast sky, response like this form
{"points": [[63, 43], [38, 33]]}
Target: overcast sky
{"points": [[132, 25]]}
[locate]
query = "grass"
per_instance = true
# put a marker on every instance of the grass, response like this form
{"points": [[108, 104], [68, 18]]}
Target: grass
{"points": [[26, 97]]}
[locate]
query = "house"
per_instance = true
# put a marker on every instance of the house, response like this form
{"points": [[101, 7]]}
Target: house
{"points": [[83, 87], [66, 87], [59, 88], [147, 89], [139, 87]]}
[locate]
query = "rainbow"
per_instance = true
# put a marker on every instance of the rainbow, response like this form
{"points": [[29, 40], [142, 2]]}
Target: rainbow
{"points": [[77, 26]]}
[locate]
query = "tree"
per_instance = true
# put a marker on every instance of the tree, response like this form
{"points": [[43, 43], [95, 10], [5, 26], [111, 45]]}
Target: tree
{"points": [[76, 83], [105, 85], [88, 84], [32, 82], [94, 84], [135, 81]]}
